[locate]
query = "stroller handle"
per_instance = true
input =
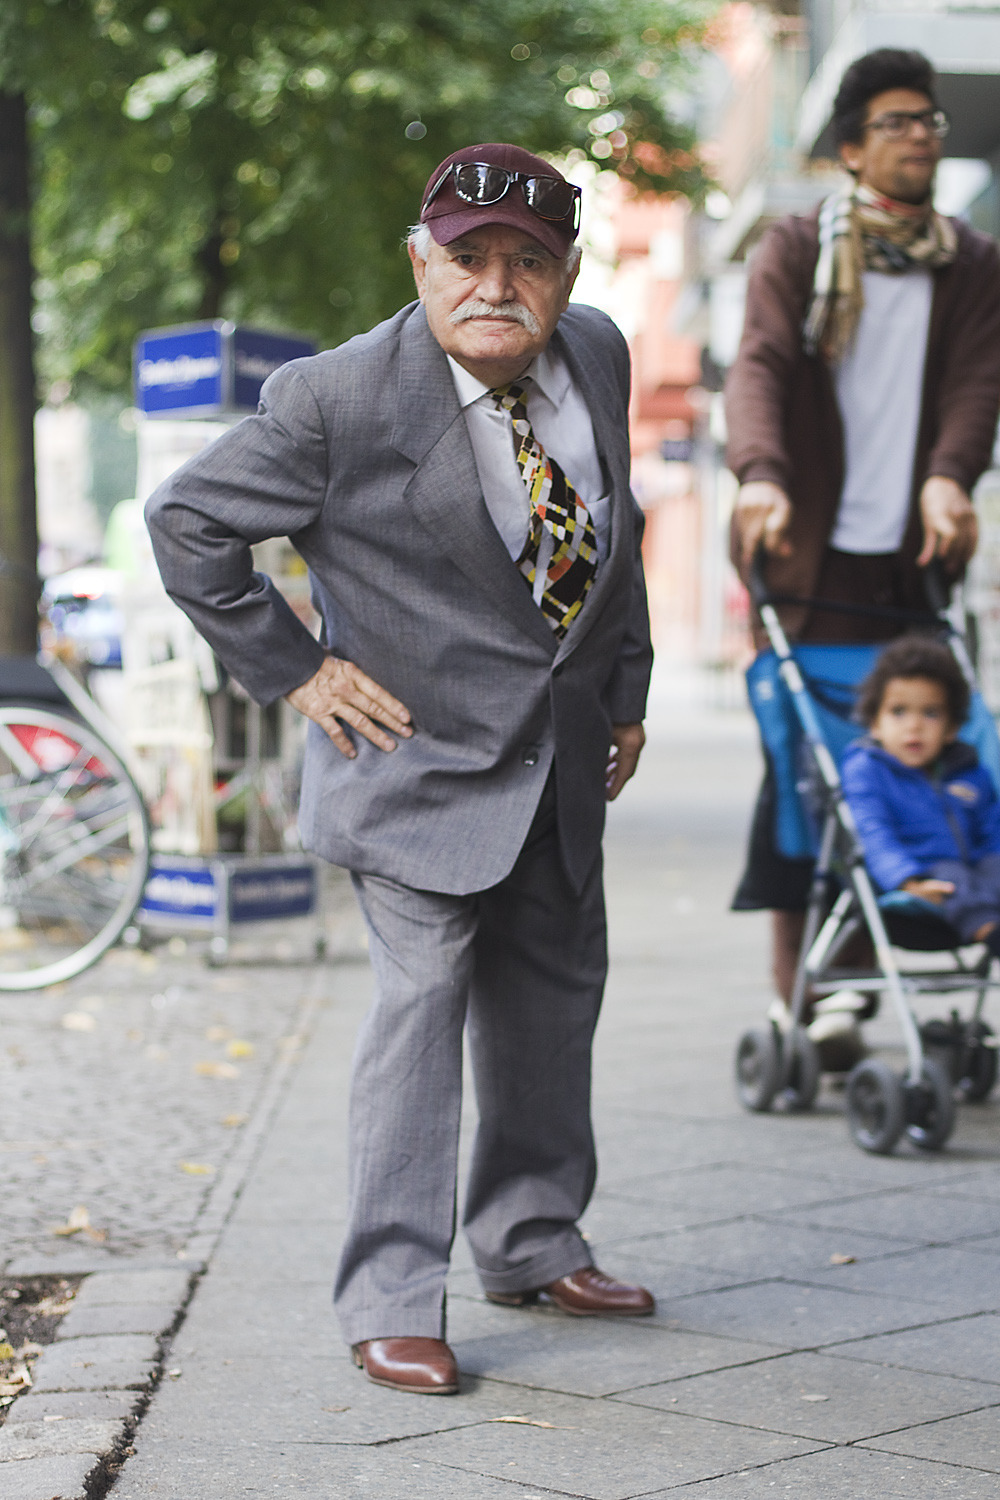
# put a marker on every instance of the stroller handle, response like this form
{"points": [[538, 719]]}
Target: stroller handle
{"points": [[936, 588]]}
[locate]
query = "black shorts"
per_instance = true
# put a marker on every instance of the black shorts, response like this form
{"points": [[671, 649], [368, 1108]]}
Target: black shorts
{"points": [[771, 881]]}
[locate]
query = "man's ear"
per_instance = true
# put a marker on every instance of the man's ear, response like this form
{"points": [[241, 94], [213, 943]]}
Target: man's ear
{"points": [[851, 155], [419, 270], [571, 282]]}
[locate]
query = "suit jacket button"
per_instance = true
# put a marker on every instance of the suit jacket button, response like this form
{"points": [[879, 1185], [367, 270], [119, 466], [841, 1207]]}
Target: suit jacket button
{"points": [[529, 757]]}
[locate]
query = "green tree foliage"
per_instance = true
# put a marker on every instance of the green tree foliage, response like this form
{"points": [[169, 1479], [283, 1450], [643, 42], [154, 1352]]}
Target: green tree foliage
{"points": [[260, 159]]}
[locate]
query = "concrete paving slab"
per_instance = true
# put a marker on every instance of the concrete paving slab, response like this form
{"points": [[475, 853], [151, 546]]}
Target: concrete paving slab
{"points": [[57, 1478], [793, 1314], [846, 1474], [306, 1471], [83, 1321], [946, 1278], [918, 1217], [758, 1248], [602, 1450], [300, 1252], [57, 1406], [963, 1346], [124, 1362], [812, 1396], [41, 1439], [719, 1193], [589, 1357], [131, 1287], [291, 1394], [976, 1437]]}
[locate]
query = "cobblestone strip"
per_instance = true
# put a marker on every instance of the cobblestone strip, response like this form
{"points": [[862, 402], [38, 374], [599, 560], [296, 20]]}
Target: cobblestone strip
{"points": [[66, 1438]]}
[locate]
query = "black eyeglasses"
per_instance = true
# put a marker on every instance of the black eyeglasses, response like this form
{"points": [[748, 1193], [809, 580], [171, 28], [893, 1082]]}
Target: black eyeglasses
{"points": [[478, 182], [896, 124]]}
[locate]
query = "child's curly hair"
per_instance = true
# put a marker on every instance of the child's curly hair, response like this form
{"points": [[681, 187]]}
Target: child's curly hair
{"points": [[914, 656]]}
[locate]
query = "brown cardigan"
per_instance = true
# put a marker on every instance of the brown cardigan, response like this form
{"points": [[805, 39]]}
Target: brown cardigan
{"points": [[781, 408]]}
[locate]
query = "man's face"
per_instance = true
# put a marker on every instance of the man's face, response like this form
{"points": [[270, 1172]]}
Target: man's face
{"points": [[493, 299], [901, 169]]}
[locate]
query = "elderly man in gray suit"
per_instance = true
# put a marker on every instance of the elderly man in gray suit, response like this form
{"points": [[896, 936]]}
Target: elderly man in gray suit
{"points": [[457, 481]]}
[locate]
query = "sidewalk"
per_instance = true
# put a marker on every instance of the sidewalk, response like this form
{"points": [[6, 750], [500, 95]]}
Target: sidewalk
{"points": [[767, 1368]]}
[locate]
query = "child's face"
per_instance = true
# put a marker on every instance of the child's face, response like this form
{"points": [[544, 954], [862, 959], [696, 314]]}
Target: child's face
{"points": [[913, 723]]}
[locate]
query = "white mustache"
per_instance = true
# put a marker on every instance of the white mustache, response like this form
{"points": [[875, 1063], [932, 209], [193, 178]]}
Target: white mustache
{"points": [[513, 312]]}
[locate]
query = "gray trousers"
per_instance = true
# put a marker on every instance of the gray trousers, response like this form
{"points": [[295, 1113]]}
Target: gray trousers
{"points": [[522, 966]]}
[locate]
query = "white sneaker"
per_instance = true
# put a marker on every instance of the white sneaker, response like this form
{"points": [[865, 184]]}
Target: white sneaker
{"points": [[838, 1040], [842, 1002]]}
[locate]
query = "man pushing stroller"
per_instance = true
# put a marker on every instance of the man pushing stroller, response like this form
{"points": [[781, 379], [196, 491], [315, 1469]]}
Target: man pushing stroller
{"points": [[926, 810], [861, 408]]}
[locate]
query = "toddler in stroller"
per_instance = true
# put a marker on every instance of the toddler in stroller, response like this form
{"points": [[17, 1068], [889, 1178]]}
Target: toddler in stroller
{"points": [[926, 810], [929, 833]]}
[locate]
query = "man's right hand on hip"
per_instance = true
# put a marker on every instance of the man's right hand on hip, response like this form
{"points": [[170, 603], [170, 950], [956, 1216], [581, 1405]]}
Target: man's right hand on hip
{"points": [[340, 691], [762, 515]]}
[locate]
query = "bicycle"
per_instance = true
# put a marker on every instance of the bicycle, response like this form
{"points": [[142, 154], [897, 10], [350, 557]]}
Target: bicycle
{"points": [[74, 832]]}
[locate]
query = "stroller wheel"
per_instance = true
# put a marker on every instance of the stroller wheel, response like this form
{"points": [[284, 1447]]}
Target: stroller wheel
{"points": [[876, 1106], [979, 1061], [930, 1107], [803, 1069], [758, 1068]]}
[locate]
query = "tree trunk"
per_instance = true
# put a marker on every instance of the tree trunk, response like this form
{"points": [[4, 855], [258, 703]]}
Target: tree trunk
{"points": [[18, 525]]}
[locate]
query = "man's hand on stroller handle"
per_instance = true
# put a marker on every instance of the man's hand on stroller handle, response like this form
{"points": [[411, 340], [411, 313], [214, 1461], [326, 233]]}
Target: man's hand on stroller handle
{"points": [[928, 889], [950, 527], [763, 514]]}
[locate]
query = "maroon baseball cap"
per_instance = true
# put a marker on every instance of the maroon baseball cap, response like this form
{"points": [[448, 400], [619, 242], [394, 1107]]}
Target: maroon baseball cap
{"points": [[450, 216]]}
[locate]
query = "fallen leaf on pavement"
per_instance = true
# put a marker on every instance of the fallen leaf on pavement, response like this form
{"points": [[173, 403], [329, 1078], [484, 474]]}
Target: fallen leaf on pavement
{"points": [[15, 1382], [237, 1048], [196, 1168], [6, 1350], [335, 1408], [78, 1220], [78, 1020], [218, 1034], [216, 1070], [530, 1422], [842, 1260], [232, 1121]]}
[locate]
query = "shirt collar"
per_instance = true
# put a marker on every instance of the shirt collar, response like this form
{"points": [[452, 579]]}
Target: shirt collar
{"points": [[547, 370]]}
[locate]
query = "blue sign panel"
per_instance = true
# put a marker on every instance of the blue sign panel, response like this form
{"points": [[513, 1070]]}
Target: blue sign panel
{"points": [[180, 371], [255, 357], [268, 892], [208, 369], [181, 890]]}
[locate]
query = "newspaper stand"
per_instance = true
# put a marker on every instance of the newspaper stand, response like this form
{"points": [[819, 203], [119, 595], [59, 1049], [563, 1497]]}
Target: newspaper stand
{"points": [[191, 383], [224, 896]]}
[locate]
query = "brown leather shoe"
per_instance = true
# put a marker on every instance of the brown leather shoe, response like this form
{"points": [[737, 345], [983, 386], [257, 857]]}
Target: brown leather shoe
{"points": [[424, 1367], [586, 1293]]}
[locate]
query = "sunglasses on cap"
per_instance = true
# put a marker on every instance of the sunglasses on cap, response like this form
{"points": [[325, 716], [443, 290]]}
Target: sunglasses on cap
{"points": [[478, 182]]}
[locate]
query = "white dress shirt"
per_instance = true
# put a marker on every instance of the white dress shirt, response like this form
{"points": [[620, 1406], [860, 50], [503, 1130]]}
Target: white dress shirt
{"points": [[561, 423], [879, 390]]}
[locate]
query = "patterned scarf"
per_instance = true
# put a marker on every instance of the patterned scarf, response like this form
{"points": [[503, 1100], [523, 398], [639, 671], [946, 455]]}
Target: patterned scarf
{"points": [[861, 230]]}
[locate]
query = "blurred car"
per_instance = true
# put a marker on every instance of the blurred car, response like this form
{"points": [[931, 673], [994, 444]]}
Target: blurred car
{"points": [[82, 620]]}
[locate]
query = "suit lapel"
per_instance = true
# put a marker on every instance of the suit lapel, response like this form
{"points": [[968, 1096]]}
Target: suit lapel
{"points": [[601, 397], [444, 490]]}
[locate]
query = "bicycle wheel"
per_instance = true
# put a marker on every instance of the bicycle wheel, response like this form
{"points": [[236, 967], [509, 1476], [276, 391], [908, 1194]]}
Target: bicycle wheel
{"points": [[74, 847]]}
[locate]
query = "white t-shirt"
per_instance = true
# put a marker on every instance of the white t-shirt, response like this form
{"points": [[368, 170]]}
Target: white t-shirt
{"points": [[879, 384], [561, 422]]}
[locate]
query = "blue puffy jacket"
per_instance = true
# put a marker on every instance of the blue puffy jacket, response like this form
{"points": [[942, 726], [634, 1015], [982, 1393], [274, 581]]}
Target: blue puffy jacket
{"points": [[908, 819]]}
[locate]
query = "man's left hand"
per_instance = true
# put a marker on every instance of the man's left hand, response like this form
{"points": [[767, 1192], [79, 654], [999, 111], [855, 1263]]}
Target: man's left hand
{"points": [[951, 530], [627, 741]]}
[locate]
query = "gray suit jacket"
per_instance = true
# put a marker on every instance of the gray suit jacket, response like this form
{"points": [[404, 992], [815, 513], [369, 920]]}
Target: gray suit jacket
{"points": [[362, 457]]}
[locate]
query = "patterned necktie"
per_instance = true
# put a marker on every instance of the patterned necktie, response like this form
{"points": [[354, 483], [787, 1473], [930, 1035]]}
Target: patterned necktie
{"points": [[557, 509]]}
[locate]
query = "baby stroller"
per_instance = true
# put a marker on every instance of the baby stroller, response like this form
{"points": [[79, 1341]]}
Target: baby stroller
{"points": [[803, 700]]}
